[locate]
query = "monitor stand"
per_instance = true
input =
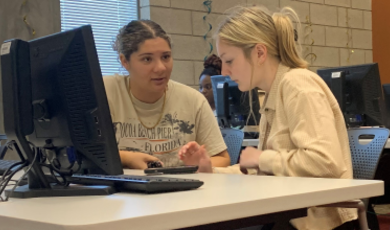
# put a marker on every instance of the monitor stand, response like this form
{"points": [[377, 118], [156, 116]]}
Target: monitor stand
{"points": [[59, 190], [39, 184]]}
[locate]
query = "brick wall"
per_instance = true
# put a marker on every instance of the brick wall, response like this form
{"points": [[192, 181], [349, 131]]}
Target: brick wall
{"points": [[327, 32]]}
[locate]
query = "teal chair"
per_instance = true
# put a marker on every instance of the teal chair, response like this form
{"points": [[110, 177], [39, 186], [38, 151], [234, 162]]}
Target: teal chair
{"points": [[366, 146], [233, 139]]}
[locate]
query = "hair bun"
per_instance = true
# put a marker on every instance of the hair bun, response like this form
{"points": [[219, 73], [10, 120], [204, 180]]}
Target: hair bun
{"points": [[214, 62]]}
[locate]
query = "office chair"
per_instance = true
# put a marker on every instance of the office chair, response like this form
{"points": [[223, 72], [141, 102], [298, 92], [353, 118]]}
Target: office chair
{"points": [[365, 158], [233, 139]]}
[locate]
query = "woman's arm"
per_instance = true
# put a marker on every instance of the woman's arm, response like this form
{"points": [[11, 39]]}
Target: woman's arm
{"points": [[192, 153], [318, 151], [136, 160], [221, 160]]}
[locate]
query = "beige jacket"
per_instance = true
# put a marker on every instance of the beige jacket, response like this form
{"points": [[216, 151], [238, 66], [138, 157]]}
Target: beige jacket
{"points": [[303, 134]]}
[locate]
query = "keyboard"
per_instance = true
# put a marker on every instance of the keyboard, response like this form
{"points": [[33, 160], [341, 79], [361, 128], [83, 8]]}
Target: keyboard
{"points": [[144, 184], [5, 164]]}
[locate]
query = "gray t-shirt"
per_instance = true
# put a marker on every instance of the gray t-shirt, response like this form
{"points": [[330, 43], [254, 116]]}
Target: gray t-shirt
{"points": [[187, 117]]}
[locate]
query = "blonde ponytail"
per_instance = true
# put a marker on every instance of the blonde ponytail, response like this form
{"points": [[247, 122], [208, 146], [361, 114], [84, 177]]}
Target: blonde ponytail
{"points": [[248, 26], [289, 49]]}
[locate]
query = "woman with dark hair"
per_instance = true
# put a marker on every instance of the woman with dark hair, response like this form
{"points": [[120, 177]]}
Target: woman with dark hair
{"points": [[154, 116], [212, 66]]}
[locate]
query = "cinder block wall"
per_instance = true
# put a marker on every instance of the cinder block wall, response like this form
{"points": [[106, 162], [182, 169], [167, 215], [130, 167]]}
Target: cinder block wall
{"points": [[42, 15], [338, 32]]}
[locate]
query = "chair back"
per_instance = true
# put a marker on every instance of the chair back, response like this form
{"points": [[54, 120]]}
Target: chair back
{"points": [[233, 139], [366, 152]]}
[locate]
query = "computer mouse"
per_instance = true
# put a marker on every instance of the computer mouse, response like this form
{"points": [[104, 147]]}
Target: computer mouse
{"points": [[154, 164]]}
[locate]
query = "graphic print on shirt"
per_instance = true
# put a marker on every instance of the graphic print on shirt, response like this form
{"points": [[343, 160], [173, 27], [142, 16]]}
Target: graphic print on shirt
{"points": [[163, 141]]}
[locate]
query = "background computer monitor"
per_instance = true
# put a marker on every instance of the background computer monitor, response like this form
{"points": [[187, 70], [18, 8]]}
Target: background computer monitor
{"points": [[358, 91], [386, 96], [68, 105], [232, 105]]}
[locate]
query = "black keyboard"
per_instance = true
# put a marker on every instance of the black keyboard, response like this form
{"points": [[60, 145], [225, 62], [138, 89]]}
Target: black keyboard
{"points": [[145, 184], [5, 164]]}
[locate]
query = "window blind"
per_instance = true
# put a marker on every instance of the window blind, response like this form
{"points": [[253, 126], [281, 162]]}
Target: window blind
{"points": [[106, 18]]}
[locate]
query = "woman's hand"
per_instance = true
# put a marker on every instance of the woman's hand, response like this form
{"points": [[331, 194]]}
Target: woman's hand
{"points": [[190, 153], [136, 160], [249, 158], [194, 154]]}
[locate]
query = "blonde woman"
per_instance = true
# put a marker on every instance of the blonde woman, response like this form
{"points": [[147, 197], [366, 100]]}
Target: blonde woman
{"points": [[302, 130]]}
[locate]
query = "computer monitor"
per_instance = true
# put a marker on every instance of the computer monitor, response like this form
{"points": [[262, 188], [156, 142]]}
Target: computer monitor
{"points": [[358, 91], [386, 96], [53, 93], [232, 105]]}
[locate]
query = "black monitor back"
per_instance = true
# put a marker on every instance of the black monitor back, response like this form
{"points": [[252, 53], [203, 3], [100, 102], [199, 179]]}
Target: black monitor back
{"points": [[69, 100], [386, 95], [232, 104], [363, 93]]}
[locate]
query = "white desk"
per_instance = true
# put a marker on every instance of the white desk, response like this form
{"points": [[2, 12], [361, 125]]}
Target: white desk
{"points": [[222, 198], [250, 142], [255, 142]]}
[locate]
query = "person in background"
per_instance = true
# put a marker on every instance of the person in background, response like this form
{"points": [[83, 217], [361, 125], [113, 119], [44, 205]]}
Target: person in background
{"points": [[153, 116], [212, 66]]}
